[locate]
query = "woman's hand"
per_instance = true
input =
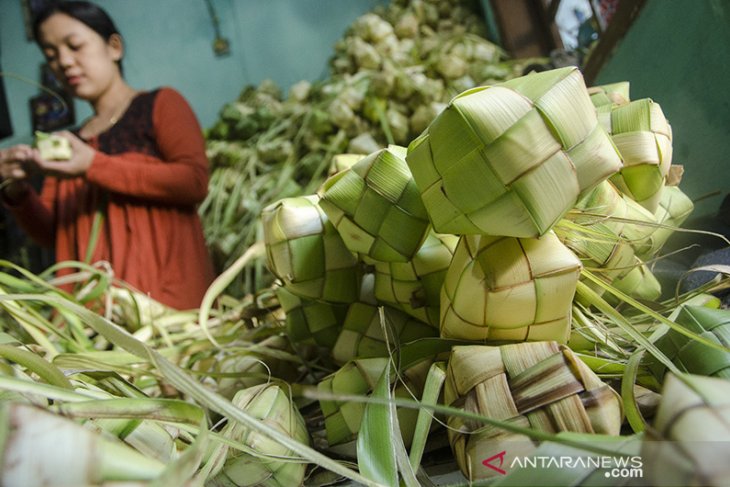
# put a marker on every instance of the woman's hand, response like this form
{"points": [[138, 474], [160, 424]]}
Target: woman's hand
{"points": [[14, 170], [82, 154], [13, 161]]}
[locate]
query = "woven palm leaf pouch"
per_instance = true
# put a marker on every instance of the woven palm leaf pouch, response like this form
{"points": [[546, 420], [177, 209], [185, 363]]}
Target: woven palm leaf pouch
{"points": [[513, 158]]}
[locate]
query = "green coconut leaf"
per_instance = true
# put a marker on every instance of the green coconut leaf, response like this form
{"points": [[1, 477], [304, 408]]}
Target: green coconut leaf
{"points": [[45, 370], [376, 456], [631, 408], [431, 391], [182, 470], [185, 383]]}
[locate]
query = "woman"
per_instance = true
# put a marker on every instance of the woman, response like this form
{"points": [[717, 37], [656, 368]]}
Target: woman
{"points": [[138, 167]]}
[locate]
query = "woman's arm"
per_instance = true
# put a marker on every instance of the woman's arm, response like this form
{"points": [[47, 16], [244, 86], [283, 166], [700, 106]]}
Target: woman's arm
{"points": [[180, 177], [35, 214]]}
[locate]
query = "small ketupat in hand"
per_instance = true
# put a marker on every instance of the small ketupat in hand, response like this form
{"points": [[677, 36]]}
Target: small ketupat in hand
{"points": [[52, 147]]}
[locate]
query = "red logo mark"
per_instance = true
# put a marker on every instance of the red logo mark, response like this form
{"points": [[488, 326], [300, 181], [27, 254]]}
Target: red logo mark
{"points": [[488, 462]]}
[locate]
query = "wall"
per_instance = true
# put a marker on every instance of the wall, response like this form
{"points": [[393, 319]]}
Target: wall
{"points": [[169, 42], [677, 53]]}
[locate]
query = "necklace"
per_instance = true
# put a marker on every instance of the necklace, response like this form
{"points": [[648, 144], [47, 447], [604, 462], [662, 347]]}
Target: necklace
{"points": [[113, 120], [122, 109], [94, 125]]}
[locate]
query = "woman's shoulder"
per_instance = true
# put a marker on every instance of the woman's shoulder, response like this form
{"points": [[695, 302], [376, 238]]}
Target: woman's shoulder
{"points": [[172, 108], [168, 100], [167, 94]]}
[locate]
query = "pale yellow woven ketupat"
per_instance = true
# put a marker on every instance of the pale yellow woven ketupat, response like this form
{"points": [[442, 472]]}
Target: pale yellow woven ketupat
{"points": [[513, 158], [643, 137], [415, 286], [540, 385], [504, 288], [376, 208], [691, 429], [305, 251]]}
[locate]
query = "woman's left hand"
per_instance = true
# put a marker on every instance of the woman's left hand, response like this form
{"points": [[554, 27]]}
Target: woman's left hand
{"points": [[81, 158]]}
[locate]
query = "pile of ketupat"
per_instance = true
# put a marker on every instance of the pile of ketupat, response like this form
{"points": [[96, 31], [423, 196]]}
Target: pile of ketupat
{"points": [[486, 286], [415, 312], [394, 69], [512, 228]]}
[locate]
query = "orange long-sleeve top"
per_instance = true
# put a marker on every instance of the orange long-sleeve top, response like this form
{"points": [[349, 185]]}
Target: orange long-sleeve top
{"points": [[149, 174]]}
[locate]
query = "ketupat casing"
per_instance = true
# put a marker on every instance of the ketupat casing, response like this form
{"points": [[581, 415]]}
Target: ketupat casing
{"points": [[540, 385], [415, 286], [690, 355], [310, 321], [643, 137], [305, 251], [505, 288], [513, 158], [342, 419], [53, 147], [268, 463], [376, 207], [691, 429]]}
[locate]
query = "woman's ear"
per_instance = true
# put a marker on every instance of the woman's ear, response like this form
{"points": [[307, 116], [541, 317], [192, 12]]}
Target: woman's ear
{"points": [[117, 47]]}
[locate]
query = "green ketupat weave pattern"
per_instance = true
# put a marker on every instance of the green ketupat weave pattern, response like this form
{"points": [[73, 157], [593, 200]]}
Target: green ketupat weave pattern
{"points": [[513, 158]]}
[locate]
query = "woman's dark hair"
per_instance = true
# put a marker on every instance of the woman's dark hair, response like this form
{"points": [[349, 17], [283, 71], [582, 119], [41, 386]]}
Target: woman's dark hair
{"points": [[87, 13]]}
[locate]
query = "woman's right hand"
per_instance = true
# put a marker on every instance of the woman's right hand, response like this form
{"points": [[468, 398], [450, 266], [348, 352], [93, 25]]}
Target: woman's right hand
{"points": [[13, 169]]}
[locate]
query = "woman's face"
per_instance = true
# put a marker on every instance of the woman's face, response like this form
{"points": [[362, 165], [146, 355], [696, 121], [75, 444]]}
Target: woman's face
{"points": [[79, 56]]}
